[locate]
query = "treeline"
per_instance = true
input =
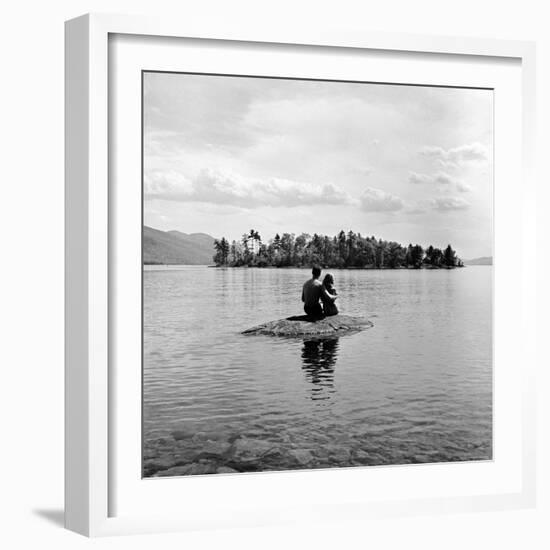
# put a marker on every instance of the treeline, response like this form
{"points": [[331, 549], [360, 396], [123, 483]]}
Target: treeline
{"points": [[345, 250]]}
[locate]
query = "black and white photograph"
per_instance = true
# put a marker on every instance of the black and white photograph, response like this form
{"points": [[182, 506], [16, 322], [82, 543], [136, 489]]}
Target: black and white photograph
{"points": [[317, 274], [275, 275]]}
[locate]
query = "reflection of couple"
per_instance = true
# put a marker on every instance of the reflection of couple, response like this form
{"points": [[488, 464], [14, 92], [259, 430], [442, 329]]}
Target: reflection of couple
{"points": [[318, 361], [315, 291]]}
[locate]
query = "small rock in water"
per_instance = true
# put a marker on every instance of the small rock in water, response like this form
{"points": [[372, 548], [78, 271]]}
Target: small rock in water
{"points": [[226, 470], [360, 455], [200, 469], [199, 437], [160, 463], [214, 448], [149, 454], [245, 449], [340, 455], [173, 472], [302, 456], [163, 442], [304, 326], [204, 467], [217, 436], [183, 432]]}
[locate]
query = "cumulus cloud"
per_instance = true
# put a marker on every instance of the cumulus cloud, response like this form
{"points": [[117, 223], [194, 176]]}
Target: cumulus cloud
{"points": [[216, 187], [446, 204], [376, 200], [441, 178], [473, 152]]}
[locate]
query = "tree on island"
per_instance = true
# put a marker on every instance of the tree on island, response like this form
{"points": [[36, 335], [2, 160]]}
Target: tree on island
{"points": [[417, 255], [222, 251], [449, 256], [344, 250], [433, 257]]}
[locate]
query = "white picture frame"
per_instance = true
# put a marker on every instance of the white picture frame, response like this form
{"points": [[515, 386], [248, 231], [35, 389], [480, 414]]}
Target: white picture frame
{"points": [[90, 397]]}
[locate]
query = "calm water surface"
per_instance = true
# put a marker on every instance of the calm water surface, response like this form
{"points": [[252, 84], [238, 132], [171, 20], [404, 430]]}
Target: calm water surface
{"points": [[417, 387]]}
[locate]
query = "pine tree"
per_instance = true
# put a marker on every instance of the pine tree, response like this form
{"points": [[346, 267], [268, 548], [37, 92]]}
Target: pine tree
{"points": [[449, 257]]}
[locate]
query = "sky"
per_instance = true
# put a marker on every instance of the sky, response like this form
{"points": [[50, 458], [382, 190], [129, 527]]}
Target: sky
{"points": [[413, 164]]}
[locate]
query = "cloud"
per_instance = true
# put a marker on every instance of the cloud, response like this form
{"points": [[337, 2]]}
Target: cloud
{"points": [[441, 178], [446, 204], [474, 152], [463, 187], [217, 187], [376, 200]]}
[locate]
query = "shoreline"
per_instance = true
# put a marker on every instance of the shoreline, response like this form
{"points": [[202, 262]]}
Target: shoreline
{"points": [[307, 268]]}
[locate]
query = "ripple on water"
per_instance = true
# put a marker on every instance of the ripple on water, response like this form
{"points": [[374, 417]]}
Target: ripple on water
{"points": [[415, 388]]}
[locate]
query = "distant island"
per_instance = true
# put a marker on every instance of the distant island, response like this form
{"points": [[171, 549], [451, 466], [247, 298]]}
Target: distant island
{"points": [[484, 260], [344, 250]]}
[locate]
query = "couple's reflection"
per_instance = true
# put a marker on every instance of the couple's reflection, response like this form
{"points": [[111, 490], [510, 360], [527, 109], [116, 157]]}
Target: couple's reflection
{"points": [[318, 361]]}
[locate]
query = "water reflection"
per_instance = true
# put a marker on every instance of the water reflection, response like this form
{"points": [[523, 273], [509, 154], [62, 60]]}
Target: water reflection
{"points": [[318, 361]]}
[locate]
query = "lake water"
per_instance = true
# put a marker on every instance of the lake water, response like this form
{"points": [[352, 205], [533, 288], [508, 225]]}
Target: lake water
{"points": [[415, 388]]}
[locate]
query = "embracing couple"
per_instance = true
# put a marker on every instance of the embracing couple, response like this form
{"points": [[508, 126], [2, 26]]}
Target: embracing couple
{"points": [[319, 297]]}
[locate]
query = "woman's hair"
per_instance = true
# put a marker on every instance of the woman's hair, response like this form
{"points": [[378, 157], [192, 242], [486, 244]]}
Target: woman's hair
{"points": [[328, 280]]}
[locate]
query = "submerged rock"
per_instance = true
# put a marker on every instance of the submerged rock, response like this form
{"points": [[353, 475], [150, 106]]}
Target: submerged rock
{"points": [[195, 469], [226, 470], [173, 472], [184, 431], [302, 325], [249, 450], [214, 449], [301, 456], [160, 463]]}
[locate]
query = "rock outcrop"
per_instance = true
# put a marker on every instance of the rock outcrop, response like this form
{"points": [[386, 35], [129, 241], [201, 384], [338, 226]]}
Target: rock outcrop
{"points": [[301, 326]]}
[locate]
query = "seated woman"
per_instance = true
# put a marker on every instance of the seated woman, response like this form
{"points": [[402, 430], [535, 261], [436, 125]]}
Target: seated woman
{"points": [[329, 296]]}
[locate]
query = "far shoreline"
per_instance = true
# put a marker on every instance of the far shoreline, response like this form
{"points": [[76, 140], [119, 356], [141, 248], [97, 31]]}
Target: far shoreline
{"points": [[307, 268]]}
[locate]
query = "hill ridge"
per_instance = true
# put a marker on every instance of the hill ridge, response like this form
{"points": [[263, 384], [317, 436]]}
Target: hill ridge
{"points": [[176, 247]]}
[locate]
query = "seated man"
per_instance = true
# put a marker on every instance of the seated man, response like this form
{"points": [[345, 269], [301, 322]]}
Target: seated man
{"points": [[312, 292]]}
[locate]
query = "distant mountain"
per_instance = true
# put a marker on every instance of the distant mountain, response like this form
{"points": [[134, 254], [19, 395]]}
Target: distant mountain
{"points": [[485, 260], [175, 247], [202, 239]]}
